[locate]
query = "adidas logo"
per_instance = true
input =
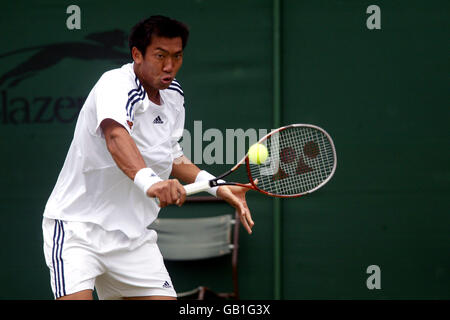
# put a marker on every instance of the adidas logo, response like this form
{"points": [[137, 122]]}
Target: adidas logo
{"points": [[158, 120], [166, 285]]}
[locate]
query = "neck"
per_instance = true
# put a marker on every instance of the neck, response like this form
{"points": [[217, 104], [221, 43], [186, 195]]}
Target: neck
{"points": [[153, 94]]}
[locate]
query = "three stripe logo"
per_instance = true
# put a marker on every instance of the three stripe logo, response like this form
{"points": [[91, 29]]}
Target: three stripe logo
{"points": [[134, 96], [175, 86], [58, 264]]}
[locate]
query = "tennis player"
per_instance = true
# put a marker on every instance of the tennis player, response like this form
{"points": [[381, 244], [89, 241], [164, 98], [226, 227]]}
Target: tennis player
{"points": [[125, 148]]}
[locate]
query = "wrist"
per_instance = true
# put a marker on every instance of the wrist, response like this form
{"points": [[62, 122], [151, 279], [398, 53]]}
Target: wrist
{"points": [[205, 175], [145, 178]]}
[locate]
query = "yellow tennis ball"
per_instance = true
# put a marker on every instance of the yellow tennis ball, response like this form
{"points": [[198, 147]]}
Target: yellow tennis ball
{"points": [[257, 153]]}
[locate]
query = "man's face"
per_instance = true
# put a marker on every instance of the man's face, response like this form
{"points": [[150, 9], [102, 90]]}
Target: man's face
{"points": [[162, 60]]}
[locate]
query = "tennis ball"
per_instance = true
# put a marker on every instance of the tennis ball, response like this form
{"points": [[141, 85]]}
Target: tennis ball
{"points": [[257, 153]]}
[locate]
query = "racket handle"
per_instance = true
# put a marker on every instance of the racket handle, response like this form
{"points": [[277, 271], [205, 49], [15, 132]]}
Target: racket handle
{"points": [[193, 188], [196, 187]]}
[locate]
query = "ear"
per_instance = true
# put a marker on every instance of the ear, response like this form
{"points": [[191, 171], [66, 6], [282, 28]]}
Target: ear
{"points": [[137, 55]]}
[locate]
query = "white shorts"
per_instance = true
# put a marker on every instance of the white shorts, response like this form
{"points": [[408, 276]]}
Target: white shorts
{"points": [[82, 255]]}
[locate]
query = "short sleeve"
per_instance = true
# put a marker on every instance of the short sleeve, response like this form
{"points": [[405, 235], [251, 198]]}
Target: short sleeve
{"points": [[111, 97]]}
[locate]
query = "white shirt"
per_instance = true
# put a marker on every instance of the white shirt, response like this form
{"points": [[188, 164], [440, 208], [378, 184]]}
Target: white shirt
{"points": [[90, 186]]}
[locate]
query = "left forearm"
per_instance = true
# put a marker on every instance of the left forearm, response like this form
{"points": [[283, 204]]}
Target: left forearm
{"points": [[183, 169]]}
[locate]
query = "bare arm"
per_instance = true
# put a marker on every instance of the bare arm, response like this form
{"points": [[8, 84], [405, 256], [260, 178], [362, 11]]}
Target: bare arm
{"points": [[183, 169], [122, 147], [128, 158]]}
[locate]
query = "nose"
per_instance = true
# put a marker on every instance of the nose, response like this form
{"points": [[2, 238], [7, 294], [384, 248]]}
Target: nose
{"points": [[168, 65]]}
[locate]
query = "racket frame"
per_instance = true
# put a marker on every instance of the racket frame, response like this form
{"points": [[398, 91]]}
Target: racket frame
{"points": [[205, 185], [255, 187]]}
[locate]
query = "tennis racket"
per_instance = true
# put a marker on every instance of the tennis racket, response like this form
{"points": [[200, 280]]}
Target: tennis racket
{"points": [[301, 159]]}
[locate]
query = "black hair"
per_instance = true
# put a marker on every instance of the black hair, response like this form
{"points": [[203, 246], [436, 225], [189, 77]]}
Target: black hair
{"points": [[141, 34]]}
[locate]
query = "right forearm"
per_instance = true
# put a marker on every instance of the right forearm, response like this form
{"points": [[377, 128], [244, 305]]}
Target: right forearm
{"points": [[123, 149]]}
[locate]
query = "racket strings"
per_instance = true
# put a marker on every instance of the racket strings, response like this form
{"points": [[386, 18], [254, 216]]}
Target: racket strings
{"points": [[300, 160]]}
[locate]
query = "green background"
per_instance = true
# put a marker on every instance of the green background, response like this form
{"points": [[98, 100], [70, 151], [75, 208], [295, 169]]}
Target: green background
{"points": [[381, 94]]}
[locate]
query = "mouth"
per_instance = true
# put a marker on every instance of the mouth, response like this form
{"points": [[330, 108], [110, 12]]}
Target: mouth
{"points": [[166, 80]]}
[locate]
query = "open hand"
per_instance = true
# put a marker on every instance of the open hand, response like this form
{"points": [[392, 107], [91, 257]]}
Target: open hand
{"points": [[235, 196]]}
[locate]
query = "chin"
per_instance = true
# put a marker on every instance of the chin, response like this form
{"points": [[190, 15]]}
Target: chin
{"points": [[164, 86]]}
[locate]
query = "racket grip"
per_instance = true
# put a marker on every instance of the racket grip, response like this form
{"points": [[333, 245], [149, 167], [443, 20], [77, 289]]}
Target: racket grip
{"points": [[193, 188], [196, 187]]}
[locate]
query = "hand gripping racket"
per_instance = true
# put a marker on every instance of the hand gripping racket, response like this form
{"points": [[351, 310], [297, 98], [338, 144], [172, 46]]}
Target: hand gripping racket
{"points": [[301, 159]]}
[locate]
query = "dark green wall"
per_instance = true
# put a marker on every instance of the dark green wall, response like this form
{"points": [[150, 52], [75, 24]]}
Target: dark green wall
{"points": [[381, 94]]}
